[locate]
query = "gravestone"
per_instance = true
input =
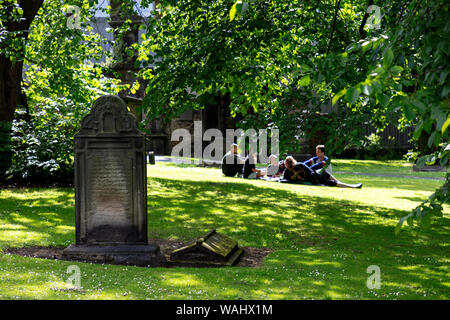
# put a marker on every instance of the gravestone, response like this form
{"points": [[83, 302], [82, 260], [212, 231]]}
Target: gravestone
{"points": [[213, 249], [111, 189]]}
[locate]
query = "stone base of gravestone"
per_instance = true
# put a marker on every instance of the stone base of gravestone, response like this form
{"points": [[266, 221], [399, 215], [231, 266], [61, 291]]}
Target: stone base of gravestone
{"points": [[134, 255]]}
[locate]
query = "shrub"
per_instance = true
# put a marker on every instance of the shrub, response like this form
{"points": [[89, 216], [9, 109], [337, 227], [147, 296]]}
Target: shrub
{"points": [[42, 145]]}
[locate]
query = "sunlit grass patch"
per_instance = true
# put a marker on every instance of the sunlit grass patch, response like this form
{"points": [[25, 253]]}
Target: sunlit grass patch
{"points": [[392, 167]]}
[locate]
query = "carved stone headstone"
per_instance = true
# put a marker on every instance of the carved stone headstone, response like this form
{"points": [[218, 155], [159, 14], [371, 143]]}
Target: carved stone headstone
{"points": [[111, 188]]}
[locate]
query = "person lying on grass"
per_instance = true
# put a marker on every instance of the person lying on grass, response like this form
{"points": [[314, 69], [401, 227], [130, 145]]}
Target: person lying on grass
{"points": [[232, 163], [249, 170], [300, 172]]}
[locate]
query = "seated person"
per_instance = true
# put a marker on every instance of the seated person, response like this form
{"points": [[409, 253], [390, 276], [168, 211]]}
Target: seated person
{"points": [[319, 161], [300, 172], [249, 170], [275, 168], [232, 163]]}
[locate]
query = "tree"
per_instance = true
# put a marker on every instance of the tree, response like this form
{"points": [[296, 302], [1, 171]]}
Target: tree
{"points": [[16, 18], [61, 81], [409, 73]]}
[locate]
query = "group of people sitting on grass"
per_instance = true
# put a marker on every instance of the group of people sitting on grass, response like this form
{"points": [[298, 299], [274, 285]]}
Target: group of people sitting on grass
{"points": [[312, 171]]}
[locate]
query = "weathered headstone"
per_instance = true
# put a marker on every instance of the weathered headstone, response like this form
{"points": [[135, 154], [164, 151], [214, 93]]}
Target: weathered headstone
{"points": [[213, 249], [111, 189]]}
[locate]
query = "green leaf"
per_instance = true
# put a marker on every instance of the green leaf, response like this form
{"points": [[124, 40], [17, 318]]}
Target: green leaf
{"points": [[367, 90], [377, 71], [233, 10], [420, 105], [352, 95], [396, 69], [427, 125], [397, 229], [305, 68], [382, 99], [400, 223], [443, 76], [388, 57], [421, 161], [239, 7], [418, 130], [377, 86], [439, 115], [351, 47], [426, 221], [410, 221], [444, 160], [338, 96], [409, 113], [366, 45], [305, 81], [445, 91], [431, 139], [445, 125], [437, 138]]}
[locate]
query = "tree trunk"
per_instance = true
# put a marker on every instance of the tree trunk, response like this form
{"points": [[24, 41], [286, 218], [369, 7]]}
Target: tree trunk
{"points": [[11, 94]]}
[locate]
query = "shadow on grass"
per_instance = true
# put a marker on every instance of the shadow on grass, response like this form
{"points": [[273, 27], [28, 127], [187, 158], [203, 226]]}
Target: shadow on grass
{"points": [[37, 218], [390, 182], [246, 210], [332, 242], [413, 199]]}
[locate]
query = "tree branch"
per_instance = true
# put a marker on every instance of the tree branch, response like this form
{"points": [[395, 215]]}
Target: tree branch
{"points": [[336, 9], [362, 32]]}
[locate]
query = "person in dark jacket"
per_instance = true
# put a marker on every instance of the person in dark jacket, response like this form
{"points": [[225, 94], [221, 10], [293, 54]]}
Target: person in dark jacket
{"points": [[249, 170], [232, 163]]}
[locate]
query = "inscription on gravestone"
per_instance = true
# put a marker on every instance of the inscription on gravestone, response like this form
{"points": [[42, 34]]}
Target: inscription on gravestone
{"points": [[110, 188], [109, 196]]}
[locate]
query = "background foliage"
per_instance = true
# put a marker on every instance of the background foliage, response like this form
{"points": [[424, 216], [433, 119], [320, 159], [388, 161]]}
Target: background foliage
{"points": [[62, 79]]}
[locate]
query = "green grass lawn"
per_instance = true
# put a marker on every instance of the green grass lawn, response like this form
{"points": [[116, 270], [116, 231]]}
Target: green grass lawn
{"points": [[323, 238], [388, 167]]}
